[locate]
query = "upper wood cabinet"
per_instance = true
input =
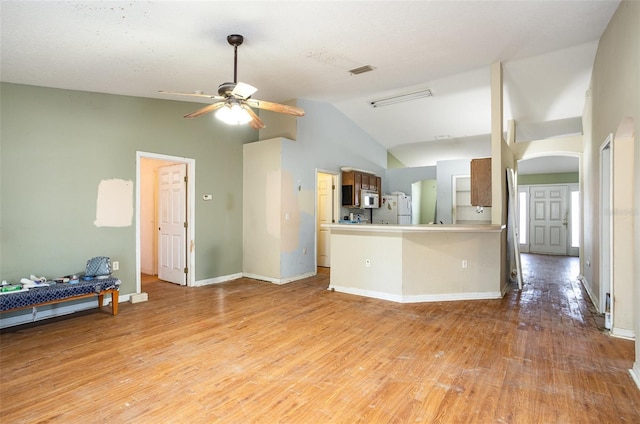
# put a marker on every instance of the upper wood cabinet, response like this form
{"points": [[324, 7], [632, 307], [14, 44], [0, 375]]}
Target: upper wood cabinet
{"points": [[481, 182], [353, 182], [365, 181]]}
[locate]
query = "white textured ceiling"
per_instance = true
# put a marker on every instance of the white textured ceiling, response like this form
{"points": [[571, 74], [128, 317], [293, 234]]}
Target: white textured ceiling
{"points": [[304, 49]]}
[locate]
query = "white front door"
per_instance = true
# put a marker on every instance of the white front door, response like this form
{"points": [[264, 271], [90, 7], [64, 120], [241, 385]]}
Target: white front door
{"points": [[548, 225], [324, 216], [172, 208]]}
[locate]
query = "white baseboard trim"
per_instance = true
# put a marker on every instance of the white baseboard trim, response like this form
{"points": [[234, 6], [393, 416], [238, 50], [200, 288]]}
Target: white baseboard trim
{"points": [[635, 373], [230, 277], [446, 297], [217, 280], [278, 280], [623, 333], [587, 286], [367, 293]]}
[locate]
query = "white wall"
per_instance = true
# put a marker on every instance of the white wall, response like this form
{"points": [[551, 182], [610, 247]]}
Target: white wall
{"points": [[325, 140], [615, 86], [446, 170], [261, 218], [401, 179]]}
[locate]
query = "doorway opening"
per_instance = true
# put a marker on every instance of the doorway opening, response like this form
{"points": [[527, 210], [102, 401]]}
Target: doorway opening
{"points": [[549, 208], [149, 236], [327, 209], [424, 195]]}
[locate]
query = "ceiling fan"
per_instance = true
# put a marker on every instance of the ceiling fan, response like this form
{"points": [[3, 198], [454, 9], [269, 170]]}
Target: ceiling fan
{"points": [[233, 102]]}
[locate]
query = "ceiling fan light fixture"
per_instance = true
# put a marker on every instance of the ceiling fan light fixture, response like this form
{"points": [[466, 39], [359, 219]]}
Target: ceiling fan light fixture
{"points": [[233, 114], [401, 98]]}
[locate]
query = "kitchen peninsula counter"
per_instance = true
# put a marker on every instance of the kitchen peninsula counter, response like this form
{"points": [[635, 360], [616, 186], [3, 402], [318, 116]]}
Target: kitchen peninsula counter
{"points": [[419, 263]]}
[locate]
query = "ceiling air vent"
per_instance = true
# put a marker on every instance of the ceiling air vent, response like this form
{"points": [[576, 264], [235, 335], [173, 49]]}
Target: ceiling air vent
{"points": [[414, 95], [361, 70]]}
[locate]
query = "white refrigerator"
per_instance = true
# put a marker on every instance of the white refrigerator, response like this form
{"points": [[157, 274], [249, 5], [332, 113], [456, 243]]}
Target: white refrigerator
{"points": [[394, 209]]}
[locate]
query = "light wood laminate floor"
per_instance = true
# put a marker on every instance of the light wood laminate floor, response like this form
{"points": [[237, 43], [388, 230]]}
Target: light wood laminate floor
{"points": [[253, 352]]}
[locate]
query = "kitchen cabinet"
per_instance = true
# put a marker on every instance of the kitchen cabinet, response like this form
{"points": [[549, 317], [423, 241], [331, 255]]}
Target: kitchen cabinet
{"points": [[375, 184], [353, 182], [481, 182], [365, 181], [349, 197]]}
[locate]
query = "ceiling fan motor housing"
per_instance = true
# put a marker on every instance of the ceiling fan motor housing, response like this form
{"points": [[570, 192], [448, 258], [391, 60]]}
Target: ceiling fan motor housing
{"points": [[226, 88]]}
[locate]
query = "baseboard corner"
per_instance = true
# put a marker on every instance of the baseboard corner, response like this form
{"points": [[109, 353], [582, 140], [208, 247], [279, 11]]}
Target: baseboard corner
{"points": [[635, 373]]}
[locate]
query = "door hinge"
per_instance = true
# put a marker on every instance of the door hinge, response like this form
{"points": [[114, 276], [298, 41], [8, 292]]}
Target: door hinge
{"points": [[186, 270], [186, 179], [186, 224]]}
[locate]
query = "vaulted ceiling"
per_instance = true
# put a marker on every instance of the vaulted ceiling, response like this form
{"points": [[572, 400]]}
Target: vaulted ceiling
{"points": [[305, 49]]}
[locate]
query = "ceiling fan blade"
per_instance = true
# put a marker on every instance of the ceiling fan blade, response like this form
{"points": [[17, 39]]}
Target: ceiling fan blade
{"points": [[207, 96], [243, 90], [206, 109], [275, 107], [256, 123]]}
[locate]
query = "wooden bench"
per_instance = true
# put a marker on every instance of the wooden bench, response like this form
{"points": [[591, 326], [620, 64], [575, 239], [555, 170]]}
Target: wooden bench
{"points": [[63, 292]]}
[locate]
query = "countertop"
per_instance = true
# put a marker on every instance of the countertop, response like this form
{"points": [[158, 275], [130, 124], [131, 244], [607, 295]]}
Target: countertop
{"points": [[425, 228]]}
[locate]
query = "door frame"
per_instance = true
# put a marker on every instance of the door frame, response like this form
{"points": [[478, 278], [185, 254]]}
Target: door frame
{"points": [[337, 181], [606, 226], [191, 214], [569, 251], [574, 251]]}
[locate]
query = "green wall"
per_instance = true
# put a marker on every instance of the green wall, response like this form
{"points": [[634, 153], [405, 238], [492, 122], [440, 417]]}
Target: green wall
{"points": [[429, 196], [559, 178], [56, 147], [393, 162]]}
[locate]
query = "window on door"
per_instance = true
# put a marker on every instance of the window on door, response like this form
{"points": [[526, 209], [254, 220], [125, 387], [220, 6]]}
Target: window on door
{"points": [[523, 222], [575, 218]]}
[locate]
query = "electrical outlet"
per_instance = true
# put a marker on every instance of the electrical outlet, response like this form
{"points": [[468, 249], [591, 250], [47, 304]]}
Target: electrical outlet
{"points": [[367, 263], [464, 263], [115, 265]]}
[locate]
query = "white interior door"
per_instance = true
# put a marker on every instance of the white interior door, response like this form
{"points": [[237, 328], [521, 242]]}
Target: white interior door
{"points": [[172, 229], [324, 216], [548, 225]]}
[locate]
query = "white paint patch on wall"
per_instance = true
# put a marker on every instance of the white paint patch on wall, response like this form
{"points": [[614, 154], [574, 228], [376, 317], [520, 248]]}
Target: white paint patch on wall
{"points": [[114, 207]]}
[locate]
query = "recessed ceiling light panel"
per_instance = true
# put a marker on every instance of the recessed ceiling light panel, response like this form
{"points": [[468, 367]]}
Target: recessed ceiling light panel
{"points": [[414, 95]]}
